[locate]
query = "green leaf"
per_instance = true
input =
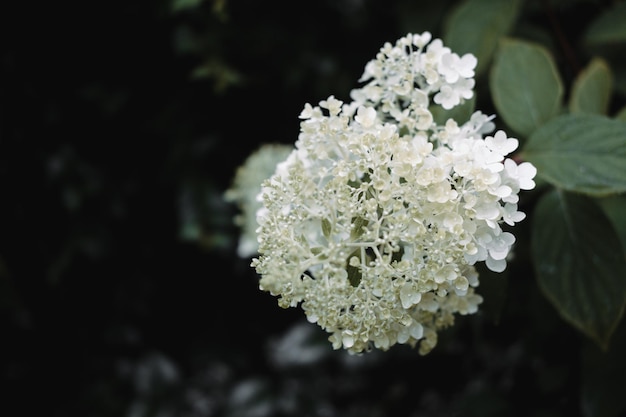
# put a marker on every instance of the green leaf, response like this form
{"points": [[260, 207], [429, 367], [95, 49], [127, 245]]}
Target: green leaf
{"points": [[327, 228], [579, 265], [476, 26], [525, 85], [614, 207], [609, 27], [583, 153], [591, 92], [358, 227]]}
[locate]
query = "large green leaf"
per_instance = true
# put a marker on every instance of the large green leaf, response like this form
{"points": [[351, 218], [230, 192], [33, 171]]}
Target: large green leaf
{"points": [[526, 87], [579, 263], [580, 152], [614, 207], [591, 92], [476, 26], [609, 27]]}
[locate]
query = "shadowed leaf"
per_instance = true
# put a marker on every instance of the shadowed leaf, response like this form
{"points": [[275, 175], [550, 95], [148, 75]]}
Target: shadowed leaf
{"points": [[578, 267]]}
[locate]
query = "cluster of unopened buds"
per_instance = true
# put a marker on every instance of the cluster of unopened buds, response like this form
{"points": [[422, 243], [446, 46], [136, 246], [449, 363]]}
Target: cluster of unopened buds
{"points": [[374, 222]]}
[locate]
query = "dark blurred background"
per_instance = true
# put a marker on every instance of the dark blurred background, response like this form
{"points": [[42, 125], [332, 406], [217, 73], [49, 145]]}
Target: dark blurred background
{"points": [[122, 123]]}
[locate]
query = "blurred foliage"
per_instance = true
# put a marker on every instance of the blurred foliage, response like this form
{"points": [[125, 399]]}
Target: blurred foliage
{"points": [[122, 123]]}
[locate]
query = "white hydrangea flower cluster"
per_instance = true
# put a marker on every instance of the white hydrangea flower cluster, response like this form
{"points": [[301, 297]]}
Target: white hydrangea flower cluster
{"points": [[375, 221], [244, 190]]}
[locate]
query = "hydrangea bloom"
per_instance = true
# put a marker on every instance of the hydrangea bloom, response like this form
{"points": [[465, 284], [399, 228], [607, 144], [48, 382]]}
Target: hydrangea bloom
{"points": [[245, 187], [375, 221]]}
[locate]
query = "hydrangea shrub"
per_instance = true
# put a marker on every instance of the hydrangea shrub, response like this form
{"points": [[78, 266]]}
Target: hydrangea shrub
{"points": [[383, 192], [374, 223]]}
